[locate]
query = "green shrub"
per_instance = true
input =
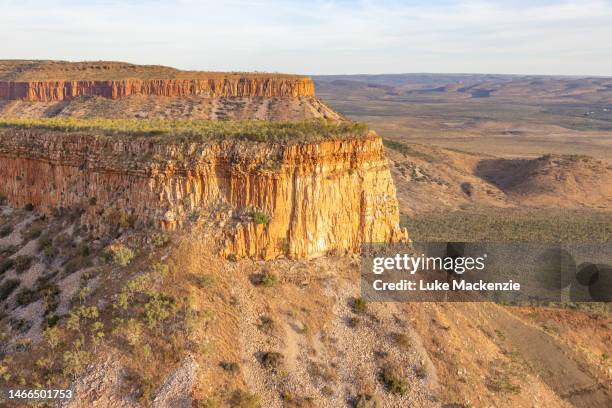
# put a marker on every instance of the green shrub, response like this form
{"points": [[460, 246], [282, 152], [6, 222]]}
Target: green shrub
{"points": [[49, 292], [269, 279], [32, 233], [44, 241], [272, 360], [403, 340], [73, 265], [243, 399], [420, 371], [159, 307], [3, 198], [6, 265], [353, 322], [206, 281], [207, 403], [29, 207], [75, 360], [260, 217], [267, 325], [160, 239], [25, 296], [119, 254], [93, 201], [392, 382], [50, 251], [366, 401], [5, 230], [7, 287], [51, 321], [230, 367], [360, 306], [22, 263]]}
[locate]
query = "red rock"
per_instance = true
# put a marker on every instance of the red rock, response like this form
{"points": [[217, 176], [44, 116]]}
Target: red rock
{"points": [[232, 86]]}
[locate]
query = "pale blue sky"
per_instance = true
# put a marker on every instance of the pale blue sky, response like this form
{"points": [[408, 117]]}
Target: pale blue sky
{"points": [[319, 37]]}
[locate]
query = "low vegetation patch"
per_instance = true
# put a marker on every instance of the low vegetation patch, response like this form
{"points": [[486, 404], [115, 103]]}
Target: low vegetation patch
{"points": [[7, 287], [25, 297], [22, 263], [200, 130], [360, 305], [509, 224], [267, 325], [230, 367], [244, 399], [6, 265], [260, 218], [366, 401], [5, 230], [392, 381], [272, 360], [266, 279], [119, 254]]}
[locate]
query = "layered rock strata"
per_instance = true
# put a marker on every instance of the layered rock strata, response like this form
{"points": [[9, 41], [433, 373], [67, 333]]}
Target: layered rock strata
{"points": [[214, 87], [297, 200]]}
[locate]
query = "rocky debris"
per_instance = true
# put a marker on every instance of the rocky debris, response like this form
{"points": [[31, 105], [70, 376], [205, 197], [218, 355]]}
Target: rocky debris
{"points": [[176, 390], [101, 386]]}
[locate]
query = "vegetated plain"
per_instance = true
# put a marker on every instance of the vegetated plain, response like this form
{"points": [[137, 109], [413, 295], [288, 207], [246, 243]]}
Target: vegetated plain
{"points": [[199, 130], [459, 146], [502, 115], [511, 224]]}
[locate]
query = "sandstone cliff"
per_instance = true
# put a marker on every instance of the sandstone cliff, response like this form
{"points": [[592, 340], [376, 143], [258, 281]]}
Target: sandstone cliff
{"points": [[319, 197], [214, 87]]}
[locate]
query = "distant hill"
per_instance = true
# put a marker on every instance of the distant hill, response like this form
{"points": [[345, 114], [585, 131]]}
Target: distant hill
{"points": [[504, 115], [590, 89], [88, 89]]}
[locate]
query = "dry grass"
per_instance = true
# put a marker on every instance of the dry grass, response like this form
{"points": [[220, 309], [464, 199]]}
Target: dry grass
{"points": [[199, 130], [511, 224]]}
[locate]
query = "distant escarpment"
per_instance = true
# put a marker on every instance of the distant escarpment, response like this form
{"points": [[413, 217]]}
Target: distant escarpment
{"points": [[270, 199], [214, 87], [52, 81], [35, 89]]}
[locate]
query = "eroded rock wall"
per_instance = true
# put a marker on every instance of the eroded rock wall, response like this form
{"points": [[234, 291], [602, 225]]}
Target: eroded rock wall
{"points": [[50, 90], [320, 197]]}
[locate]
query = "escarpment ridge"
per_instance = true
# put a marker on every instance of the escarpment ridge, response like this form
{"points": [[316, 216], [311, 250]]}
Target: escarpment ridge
{"points": [[53, 91], [53, 81], [296, 199]]}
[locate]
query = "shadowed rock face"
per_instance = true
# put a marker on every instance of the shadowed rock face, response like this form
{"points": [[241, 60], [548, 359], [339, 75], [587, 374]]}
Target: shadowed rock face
{"points": [[332, 195], [214, 87]]}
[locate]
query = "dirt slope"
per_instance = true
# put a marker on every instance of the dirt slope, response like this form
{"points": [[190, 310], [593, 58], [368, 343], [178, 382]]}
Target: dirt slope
{"points": [[552, 180], [430, 177], [328, 350], [188, 107]]}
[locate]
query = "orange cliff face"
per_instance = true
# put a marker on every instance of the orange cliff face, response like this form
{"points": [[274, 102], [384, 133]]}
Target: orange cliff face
{"points": [[319, 197], [216, 86]]}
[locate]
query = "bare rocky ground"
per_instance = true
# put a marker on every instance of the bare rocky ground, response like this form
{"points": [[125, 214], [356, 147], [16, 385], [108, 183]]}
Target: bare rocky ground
{"points": [[302, 338], [144, 107], [430, 178]]}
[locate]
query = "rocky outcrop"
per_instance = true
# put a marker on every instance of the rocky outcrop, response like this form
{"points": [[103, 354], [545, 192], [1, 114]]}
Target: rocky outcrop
{"points": [[299, 200], [214, 87]]}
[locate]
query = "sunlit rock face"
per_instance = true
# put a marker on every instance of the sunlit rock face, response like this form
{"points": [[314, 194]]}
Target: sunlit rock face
{"points": [[313, 197], [214, 87]]}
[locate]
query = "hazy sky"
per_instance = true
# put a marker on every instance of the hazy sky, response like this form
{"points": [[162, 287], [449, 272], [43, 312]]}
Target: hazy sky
{"points": [[318, 37]]}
